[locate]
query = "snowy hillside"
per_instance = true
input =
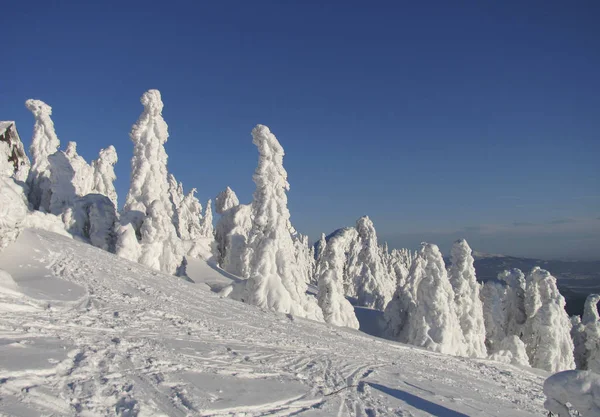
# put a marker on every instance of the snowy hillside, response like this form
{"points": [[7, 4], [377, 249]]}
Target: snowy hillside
{"points": [[86, 333]]}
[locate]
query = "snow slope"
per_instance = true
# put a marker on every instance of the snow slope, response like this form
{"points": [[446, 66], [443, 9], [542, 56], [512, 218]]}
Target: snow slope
{"points": [[85, 333]]}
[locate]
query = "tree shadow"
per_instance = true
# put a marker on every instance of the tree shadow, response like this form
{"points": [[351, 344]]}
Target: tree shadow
{"points": [[418, 402]]}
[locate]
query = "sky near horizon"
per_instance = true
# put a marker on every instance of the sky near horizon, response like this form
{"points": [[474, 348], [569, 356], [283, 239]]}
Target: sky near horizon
{"points": [[437, 119]]}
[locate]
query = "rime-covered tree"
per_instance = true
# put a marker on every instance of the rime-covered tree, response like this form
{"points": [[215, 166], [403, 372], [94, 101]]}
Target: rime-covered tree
{"points": [[547, 332], [13, 159], [226, 200], [189, 215], [147, 206], [103, 181], [206, 224], [511, 350], [43, 144], [503, 307], [579, 338], [275, 281], [591, 321], [466, 297], [336, 308], [176, 197], [231, 233], [423, 313], [13, 207], [373, 287], [83, 172]]}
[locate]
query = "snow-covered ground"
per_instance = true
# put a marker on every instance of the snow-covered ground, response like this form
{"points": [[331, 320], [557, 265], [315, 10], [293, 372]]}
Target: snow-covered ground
{"points": [[85, 333]]}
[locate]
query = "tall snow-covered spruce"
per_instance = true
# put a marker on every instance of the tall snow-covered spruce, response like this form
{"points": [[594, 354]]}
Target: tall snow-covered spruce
{"points": [[104, 174], [275, 279], [547, 332], [43, 144], [336, 308], [148, 208], [466, 296]]}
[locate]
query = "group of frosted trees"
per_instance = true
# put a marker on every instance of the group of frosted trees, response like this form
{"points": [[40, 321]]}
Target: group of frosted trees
{"points": [[515, 319], [159, 226]]}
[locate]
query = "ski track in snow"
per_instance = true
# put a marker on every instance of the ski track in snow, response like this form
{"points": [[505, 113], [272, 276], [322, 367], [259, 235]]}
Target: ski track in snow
{"points": [[141, 343]]}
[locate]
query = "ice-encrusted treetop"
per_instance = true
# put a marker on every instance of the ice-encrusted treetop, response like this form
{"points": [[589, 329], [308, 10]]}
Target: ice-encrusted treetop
{"points": [[152, 101], [590, 310], [44, 141], [226, 200], [38, 107]]}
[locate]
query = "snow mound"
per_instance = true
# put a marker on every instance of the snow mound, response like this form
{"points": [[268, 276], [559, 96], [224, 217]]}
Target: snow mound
{"points": [[579, 389]]}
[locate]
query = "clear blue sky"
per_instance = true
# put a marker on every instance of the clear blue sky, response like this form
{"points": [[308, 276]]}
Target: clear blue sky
{"points": [[438, 119]]}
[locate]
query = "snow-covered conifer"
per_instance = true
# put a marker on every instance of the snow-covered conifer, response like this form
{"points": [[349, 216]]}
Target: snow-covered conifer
{"points": [[511, 350], [176, 197], [373, 287], [104, 177], [226, 200], [94, 217], [231, 233], [83, 179], [466, 296], [62, 189], [13, 159], [189, 215], [579, 337], [547, 331], [275, 281], [148, 207], [514, 301], [423, 312], [336, 308], [591, 321], [493, 298], [206, 223], [43, 144], [13, 210]]}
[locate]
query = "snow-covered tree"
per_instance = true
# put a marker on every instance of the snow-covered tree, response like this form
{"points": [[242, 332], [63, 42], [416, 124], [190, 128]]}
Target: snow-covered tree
{"points": [[400, 262], [591, 321], [514, 301], [511, 350], [372, 286], [94, 218], [423, 313], [547, 333], [493, 298], [206, 223], [304, 256], [226, 200], [62, 187], [336, 308], [579, 337], [13, 159], [148, 207], [103, 181], [231, 233], [503, 307], [275, 281], [189, 215], [176, 197], [466, 297], [43, 144], [13, 209], [83, 179]]}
